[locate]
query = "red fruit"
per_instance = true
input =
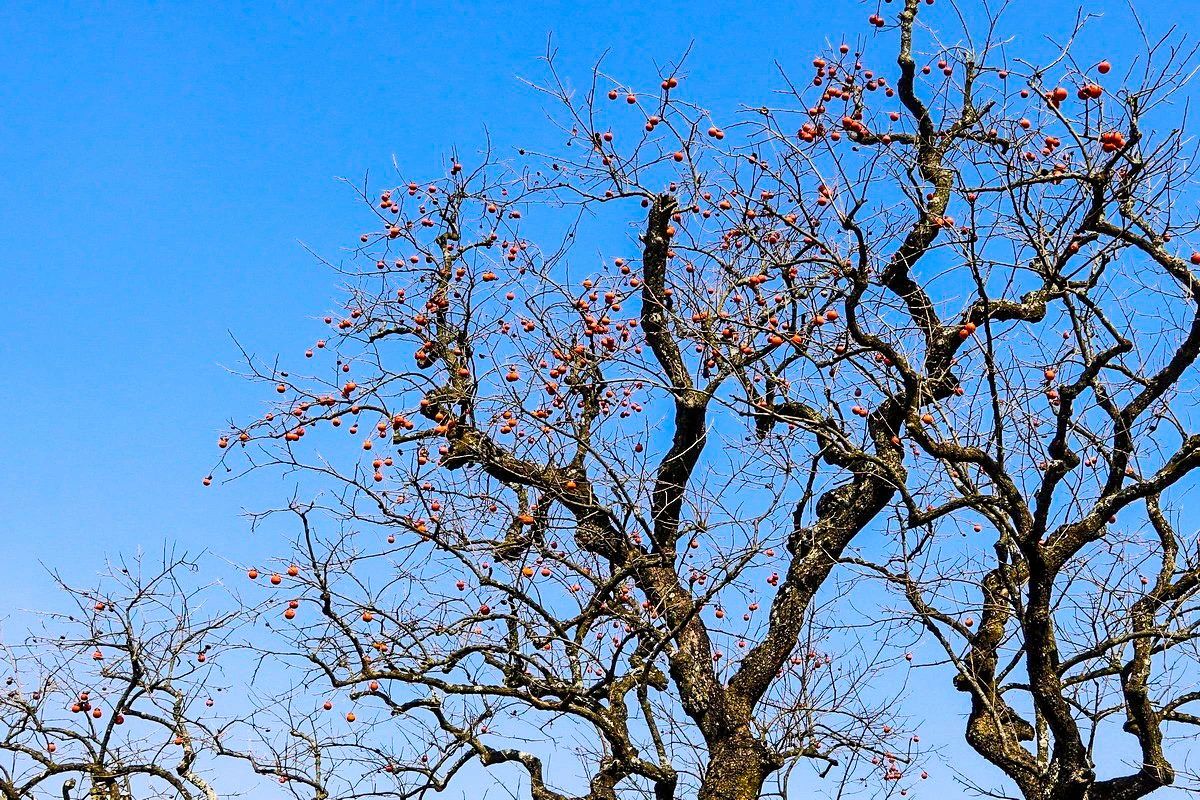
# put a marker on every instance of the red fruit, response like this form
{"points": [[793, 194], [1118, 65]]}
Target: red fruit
{"points": [[1103, 67], [252, 574]]}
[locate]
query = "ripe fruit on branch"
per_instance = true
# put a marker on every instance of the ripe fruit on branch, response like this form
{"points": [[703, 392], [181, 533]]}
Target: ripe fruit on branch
{"points": [[1112, 141]]}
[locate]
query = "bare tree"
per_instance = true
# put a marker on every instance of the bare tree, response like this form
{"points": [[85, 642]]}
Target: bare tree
{"points": [[601, 499], [101, 701]]}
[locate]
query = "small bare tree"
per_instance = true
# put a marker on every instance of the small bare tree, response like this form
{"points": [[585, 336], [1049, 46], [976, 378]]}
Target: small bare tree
{"points": [[103, 701]]}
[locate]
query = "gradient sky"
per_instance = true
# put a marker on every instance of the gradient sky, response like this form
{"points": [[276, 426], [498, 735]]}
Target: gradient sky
{"points": [[163, 162]]}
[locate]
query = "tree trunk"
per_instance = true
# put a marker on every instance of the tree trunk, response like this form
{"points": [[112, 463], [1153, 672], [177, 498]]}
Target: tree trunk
{"points": [[737, 768], [105, 789]]}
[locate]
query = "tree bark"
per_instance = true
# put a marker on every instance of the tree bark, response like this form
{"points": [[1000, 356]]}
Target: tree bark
{"points": [[105, 789], [737, 768]]}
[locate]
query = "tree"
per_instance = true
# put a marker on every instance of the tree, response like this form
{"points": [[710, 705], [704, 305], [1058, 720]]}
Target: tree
{"points": [[106, 699], [637, 496]]}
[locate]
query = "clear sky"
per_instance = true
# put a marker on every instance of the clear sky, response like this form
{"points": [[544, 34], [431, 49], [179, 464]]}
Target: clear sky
{"points": [[161, 164]]}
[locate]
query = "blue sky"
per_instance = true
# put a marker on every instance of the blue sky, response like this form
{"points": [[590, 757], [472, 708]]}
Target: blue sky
{"points": [[162, 163]]}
